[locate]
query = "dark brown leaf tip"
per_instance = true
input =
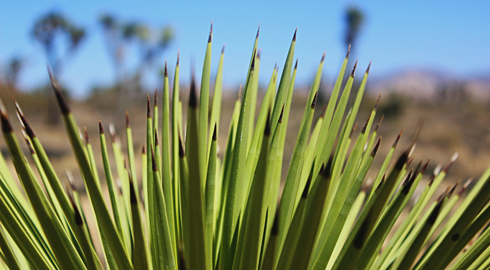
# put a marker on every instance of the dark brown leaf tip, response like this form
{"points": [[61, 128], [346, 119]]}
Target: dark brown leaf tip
{"points": [[57, 91], [166, 70], [323, 58], [348, 52], [450, 193], [155, 103], [323, 112], [193, 92], [215, 135], [101, 129], [127, 119], [267, 130], [252, 66], [210, 39], [148, 109], [365, 125], [353, 130], [307, 188], [450, 163], [29, 145], [23, 120], [178, 58], [223, 49], [295, 32], [354, 70], [78, 217], [375, 149], [379, 123], [87, 141], [425, 167], [132, 193], [369, 67], [143, 149], [181, 148], [397, 139], [258, 31], [156, 138], [281, 115], [313, 103], [296, 64], [153, 161], [377, 103], [407, 184]]}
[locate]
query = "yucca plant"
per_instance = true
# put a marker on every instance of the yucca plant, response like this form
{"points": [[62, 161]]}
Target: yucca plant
{"points": [[200, 210]]}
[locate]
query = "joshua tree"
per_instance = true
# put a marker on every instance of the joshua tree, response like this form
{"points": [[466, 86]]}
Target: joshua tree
{"points": [[15, 65], [354, 19], [47, 30], [53, 25], [120, 35]]}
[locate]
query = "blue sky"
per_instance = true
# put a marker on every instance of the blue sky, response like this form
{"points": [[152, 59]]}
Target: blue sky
{"points": [[448, 36]]}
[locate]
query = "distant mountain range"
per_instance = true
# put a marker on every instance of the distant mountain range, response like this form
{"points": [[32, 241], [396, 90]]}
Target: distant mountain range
{"points": [[429, 84]]}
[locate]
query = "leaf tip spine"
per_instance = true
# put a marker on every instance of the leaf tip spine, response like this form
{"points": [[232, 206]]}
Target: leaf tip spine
{"points": [[87, 141], [57, 91], [377, 102], [397, 139], [282, 114], [450, 163], [155, 103], [148, 109], [354, 70], [313, 103], [375, 149], [153, 160], [101, 129], [353, 130]]}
